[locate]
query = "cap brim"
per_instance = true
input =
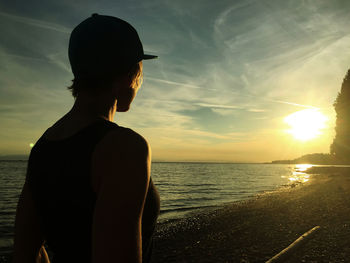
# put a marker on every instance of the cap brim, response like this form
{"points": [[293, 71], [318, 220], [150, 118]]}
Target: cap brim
{"points": [[149, 57]]}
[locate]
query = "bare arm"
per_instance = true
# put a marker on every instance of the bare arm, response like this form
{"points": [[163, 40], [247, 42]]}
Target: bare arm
{"points": [[28, 242], [123, 168]]}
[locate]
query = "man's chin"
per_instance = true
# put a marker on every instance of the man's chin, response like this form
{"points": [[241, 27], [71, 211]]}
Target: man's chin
{"points": [[123, 109]]}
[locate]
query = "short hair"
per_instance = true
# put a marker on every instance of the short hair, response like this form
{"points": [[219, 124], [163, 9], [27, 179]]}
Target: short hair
{"points": [[97, 85]]}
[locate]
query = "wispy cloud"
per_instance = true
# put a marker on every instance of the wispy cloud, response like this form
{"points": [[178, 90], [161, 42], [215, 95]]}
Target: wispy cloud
{"points": [[295, 104], [19, 57], [37, 23], [59, 61], [218, 106], [173, 83]]}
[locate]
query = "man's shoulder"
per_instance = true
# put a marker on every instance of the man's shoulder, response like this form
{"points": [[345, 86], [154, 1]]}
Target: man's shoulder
{"points": [[127, 136], [125, 141]]}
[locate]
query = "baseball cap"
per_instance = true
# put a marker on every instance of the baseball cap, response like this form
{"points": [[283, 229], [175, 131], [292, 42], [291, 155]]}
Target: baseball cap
{"points": [[104, 45]]}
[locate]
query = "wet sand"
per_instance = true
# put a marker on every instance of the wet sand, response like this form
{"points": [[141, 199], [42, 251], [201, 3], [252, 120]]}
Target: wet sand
{"points": [[257, 229]]}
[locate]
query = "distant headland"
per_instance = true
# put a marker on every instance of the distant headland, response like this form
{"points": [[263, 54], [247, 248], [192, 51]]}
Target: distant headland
{"points": [[314, 158]]}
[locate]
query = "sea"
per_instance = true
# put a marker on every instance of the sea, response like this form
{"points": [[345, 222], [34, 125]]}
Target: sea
{"points": [[184, 188]]}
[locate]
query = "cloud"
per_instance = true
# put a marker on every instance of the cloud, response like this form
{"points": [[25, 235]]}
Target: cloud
{"points": [[173, 83], [217, 106], [36, 23], [295, 104], [60, 60]]}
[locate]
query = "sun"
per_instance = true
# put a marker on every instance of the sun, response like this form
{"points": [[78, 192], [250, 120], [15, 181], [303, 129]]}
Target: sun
{"points": [[306, 124]]}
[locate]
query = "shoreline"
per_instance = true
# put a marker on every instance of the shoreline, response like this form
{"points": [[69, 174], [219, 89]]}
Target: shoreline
{"points": [[191, 212], [256, 229], [196, 211]]}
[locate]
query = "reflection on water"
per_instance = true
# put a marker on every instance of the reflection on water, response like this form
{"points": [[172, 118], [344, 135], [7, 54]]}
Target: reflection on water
{"points": [[302, 167], [299, 175]]}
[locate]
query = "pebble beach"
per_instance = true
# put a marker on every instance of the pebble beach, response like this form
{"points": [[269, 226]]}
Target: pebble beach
{"points": [[257, 229]]}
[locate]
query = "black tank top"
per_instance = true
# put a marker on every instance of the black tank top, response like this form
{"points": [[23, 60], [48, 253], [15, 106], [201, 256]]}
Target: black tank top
{"points": [[59, 178]]}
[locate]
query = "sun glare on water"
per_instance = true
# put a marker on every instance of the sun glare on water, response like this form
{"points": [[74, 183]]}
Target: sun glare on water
{"points": [[306, 124]]}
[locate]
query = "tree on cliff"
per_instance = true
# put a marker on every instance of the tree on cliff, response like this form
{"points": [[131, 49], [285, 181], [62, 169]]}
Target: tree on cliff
{"points": [[340, 147]]}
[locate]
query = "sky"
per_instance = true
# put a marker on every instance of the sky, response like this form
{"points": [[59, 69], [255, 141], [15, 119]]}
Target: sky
{"points": [[228, 73]]}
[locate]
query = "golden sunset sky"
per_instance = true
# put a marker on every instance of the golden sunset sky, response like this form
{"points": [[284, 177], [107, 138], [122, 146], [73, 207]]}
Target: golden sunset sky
{"points": [[228, 73]]}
